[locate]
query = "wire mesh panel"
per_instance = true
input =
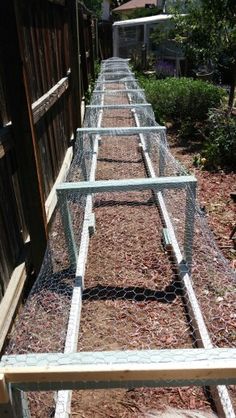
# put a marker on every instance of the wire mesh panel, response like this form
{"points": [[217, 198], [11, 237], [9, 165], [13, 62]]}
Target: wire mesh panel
{"points": [[118, 97], [127, 82], [120, 117], [131, 269]]}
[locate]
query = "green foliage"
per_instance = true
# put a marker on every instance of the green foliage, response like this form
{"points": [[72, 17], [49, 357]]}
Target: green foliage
{"points": [[97, 69], [220, 146], [162, 32], [183, 101], [95, 6], [92, 82], [208, 30], [208, 35]]}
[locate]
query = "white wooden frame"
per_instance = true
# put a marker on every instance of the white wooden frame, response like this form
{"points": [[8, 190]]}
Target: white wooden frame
{"points": [[90, 187], [171, 367], [175, 367]]}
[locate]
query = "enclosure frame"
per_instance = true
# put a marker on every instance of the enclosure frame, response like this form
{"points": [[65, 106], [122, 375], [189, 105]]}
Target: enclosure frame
{"points": [[130, 368]]}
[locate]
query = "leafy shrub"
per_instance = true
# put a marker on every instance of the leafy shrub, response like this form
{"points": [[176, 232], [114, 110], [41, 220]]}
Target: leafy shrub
{"points": [[181, 100], [220, 146]]}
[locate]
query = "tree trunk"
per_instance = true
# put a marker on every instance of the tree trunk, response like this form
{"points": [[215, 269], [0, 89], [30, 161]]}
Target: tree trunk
{"points": [[232, 88]]}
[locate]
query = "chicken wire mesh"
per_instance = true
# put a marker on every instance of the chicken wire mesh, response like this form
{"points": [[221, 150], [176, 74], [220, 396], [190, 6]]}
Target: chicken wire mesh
{"points": [[116, 70], [120, 117], [133, 294], [114, 402], [128, 82], [118, 96]]}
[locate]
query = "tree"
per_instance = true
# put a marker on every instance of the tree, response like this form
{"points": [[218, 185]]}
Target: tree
{"points": [[96, 6], [208, 32]]}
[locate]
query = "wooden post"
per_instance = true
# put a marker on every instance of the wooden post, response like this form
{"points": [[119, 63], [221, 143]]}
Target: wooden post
{"points": [[91, 50], [83, 156], [75, 65], [13, 402], [81, 87], [25, 141], [83, 51], [115, 41], [68, 228], [162, 154], [96, 39], [189, 223]]}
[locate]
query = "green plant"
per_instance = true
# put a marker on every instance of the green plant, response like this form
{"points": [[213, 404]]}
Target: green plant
{"points": [[187, 129], [208, 32], [97, 69], [182, 101], [220, 145], [199, 161], [92, 82]]}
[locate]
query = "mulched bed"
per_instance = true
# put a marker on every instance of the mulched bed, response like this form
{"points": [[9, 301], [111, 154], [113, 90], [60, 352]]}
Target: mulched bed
{"points": [[214, 190], [217, 294]]}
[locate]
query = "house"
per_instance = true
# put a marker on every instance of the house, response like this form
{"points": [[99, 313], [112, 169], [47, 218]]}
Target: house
{"points": [[163, 6], [133, 5]]}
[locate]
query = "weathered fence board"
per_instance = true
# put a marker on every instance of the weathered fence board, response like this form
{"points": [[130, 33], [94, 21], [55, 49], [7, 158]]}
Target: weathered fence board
{"points": [[43, 79]]}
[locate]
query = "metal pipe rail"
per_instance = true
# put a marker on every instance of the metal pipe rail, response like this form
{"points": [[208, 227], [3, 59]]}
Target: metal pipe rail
{"points": [[122, 131]]}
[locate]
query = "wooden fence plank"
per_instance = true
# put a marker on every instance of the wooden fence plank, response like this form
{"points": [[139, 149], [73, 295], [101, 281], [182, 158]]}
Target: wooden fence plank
{"points": [[5, 140], [51, 201], [22, 127], [10, 301], [45, 102], [75, 76], [84, 66]]}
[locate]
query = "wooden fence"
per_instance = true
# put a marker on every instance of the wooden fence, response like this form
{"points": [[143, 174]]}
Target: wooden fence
{"points": [[47, 59]]}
